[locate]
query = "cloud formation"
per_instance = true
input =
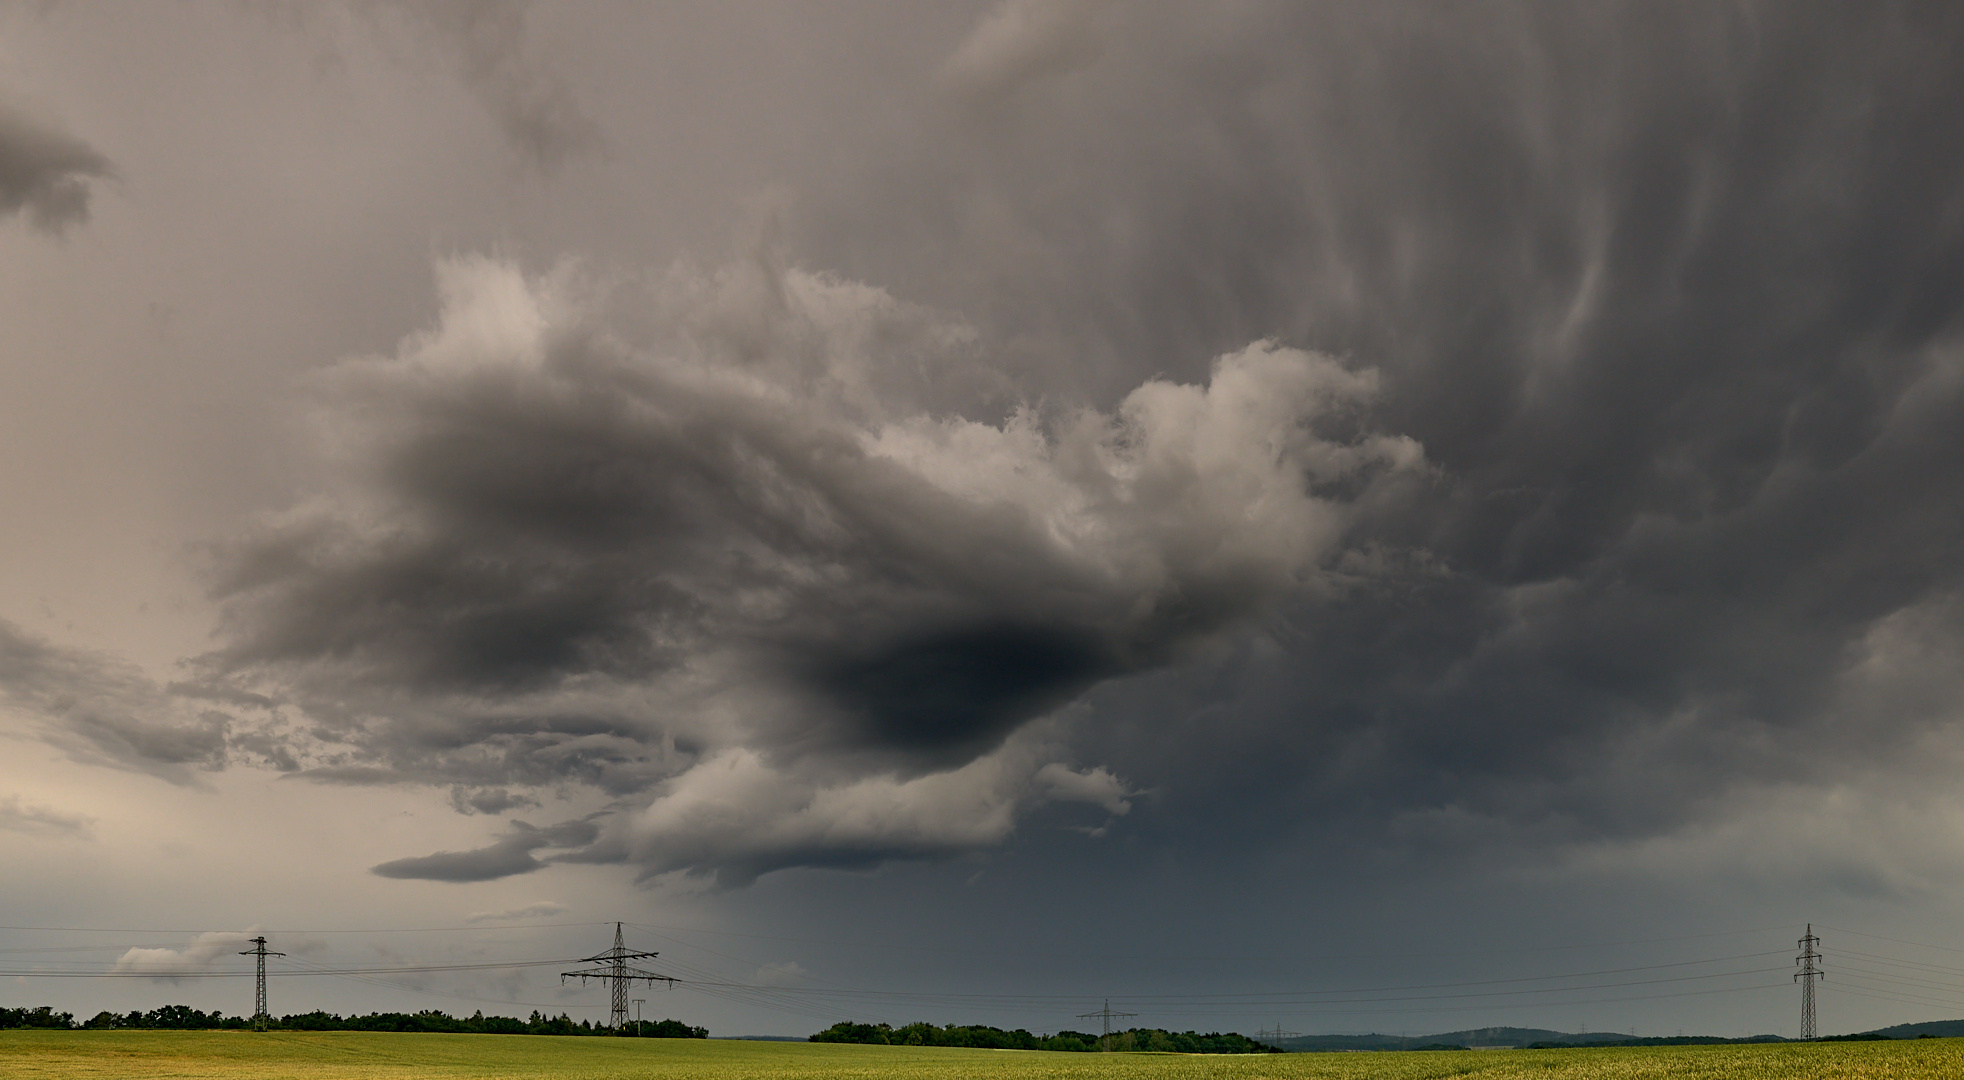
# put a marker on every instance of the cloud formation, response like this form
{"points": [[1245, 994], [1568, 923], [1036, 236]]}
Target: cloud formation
{"points": [[1666, 292], [651, 537], [203, 953], [737, 814], [98, 708], [511, 855], [1485, 425], [45, 172], [17, 816]]}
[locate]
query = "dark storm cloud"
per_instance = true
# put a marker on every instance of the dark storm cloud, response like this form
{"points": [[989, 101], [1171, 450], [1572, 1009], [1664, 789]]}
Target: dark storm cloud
{"points": [[511, 855], [45, 172], [1665, 292], [739, 551], [1669, 294]]}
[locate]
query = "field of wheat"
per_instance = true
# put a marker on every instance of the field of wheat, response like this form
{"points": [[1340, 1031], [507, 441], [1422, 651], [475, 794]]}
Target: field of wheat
{"points": [[343, 1055]]}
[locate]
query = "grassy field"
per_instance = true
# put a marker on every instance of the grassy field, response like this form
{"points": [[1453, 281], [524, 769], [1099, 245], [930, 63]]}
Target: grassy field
{"points": [[156, 1055]]}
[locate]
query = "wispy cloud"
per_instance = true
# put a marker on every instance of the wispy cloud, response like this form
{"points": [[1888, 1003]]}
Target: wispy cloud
{"points": [[101, 709], [539, 910], [35, 820]]}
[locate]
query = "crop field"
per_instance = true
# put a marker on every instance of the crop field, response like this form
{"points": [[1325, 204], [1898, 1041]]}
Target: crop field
{"points": [[155, 1055]]}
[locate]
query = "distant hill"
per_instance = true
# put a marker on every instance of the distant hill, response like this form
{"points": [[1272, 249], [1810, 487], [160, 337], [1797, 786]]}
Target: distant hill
{"points": [[1489, 1036], [1500, 1036], [1935, 1029]]}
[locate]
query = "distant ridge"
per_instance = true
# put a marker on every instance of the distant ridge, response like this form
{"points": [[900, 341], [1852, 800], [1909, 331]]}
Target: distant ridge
{"points": [[1935, 1029], [1514, 1037], [1508, 1037]]}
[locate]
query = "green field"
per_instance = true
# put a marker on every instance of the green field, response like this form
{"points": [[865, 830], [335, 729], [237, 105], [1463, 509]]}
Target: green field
{"points": [[155, 1055]]}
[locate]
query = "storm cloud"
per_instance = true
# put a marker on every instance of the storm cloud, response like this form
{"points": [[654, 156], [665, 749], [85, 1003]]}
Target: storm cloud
{"points": [[1502, 427], [558, 553], [1667, 293], [45, 172], [511, 855], [1516, 421]]}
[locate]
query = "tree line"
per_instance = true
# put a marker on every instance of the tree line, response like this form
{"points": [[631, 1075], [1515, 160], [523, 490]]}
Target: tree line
{"points": [[185, 1018], [983, 1037]]}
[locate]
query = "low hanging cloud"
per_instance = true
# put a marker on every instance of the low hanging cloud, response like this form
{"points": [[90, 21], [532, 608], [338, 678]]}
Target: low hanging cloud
{"points": [[510, 855], [204, 953], [736, 813], [663, 537], [45, 173]]}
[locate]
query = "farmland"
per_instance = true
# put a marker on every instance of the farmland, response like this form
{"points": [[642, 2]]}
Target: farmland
{"points": [[379, 1055]]}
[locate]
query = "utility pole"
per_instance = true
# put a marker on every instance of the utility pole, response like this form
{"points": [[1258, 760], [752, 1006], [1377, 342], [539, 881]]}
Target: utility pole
{"points": [[1810, 969], [611, 967], [259, 950], [638, 1002], [1274, 1038], [1105, 1016]]}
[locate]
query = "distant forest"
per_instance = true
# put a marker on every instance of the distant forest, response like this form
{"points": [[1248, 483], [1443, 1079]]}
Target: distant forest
{"points": [[185, 1018], [983, 1037]]}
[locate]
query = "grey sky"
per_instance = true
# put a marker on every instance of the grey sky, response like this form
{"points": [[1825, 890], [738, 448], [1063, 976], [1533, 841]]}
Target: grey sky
{"points": [[1208, 499]]}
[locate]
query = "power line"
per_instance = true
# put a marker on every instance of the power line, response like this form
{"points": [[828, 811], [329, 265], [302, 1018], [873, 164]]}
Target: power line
{"points": [[657, 929], [1899, 941], [229, 929], [194, 973]]}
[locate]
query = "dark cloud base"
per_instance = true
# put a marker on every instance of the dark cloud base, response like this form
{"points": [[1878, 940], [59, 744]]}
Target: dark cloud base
{"points": [[45, 172]]}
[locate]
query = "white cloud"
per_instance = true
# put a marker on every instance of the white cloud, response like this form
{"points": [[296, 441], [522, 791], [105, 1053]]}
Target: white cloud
{"points": [[739, 815], [202, 953]]}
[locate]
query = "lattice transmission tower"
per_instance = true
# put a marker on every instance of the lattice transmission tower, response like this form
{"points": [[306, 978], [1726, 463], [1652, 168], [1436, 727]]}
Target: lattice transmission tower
{"points": [[259, 950], [612, 967], [1810, 969], [1105, 1016]]}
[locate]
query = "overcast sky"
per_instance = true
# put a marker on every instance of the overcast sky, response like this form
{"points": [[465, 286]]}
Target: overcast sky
{"points": [[964, 511]]}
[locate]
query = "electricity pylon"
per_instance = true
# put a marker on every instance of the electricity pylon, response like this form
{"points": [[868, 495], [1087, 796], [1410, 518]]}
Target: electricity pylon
{"points": [[259, 950], [612, 968], [1809, 971], [1274, 1038], [1106, 1016]]}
